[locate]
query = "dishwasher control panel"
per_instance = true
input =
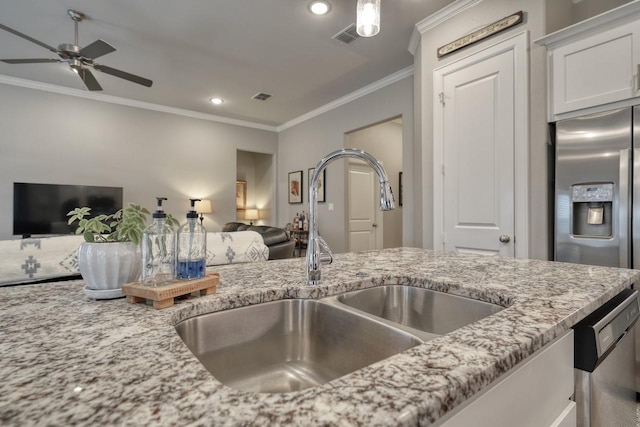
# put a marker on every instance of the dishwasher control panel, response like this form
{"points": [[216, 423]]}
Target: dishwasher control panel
{"points": [[616, 328], [598, 333]]}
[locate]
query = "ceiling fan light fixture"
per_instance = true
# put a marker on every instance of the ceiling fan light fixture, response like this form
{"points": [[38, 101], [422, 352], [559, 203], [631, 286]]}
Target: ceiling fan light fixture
{"points": [[75, 65], [368, 18], [319, 7], [216, 101]]}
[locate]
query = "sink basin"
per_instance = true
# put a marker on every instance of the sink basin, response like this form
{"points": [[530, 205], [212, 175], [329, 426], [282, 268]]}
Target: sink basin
{"points": [[288, 345], [430, 311]]}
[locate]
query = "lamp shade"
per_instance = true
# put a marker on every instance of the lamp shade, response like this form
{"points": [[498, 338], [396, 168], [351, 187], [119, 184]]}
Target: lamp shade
{"points": [[204, 206], [251, 214], [368, 18]]}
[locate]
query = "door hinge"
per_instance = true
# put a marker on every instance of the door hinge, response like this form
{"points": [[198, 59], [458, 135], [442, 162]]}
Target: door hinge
{"points": [[444, 238], [442, 169], [441, 97]]}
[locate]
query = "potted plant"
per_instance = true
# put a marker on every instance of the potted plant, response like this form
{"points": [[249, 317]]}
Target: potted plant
{"points": [[110, 255]]}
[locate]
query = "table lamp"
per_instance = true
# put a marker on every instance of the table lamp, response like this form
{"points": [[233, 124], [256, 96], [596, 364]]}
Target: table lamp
{"points": [[203, 207], [251, 214]]}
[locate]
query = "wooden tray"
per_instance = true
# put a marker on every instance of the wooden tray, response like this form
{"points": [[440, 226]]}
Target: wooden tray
{"points": [[162, 296]]}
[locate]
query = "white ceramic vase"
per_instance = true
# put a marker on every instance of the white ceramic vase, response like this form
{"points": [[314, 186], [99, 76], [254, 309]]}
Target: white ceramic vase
{"points": [[105, 267]]}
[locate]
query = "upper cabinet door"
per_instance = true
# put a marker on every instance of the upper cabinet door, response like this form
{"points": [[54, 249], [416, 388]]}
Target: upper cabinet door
{"points": [[596, 70]]}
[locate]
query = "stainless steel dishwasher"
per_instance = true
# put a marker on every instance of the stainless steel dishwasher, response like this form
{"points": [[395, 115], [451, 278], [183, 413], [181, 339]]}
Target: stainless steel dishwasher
{"points": [[605, 363]]}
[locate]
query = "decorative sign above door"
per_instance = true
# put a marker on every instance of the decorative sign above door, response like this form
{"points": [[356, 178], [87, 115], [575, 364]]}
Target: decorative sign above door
{"points": [[482, 33]]}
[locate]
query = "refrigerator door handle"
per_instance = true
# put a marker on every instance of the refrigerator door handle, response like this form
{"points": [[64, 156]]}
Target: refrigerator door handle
{"points": [[624, 224]]}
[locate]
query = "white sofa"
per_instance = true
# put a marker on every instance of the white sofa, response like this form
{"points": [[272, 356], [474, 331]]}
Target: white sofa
{"points": [[47, 258]]}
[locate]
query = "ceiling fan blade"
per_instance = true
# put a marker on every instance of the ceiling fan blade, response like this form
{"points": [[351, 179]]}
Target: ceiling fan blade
{"points": [[29, 60], [89, 80], [26, 37], [123, 75], [96, 49]]}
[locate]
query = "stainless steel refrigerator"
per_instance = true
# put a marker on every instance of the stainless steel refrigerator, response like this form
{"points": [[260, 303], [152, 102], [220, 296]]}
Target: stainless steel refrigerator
{"points": [[595, 196], [597, 211]]}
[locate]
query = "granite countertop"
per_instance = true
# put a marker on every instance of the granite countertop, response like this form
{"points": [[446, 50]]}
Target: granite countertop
{"points": [[69, 360]]}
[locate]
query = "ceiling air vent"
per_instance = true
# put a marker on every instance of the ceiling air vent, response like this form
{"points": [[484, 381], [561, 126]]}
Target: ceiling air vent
{"points": [[261, 96], [348, 35]]}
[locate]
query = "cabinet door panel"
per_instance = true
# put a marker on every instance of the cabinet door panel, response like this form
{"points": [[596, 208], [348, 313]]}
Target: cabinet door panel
{"points": [[596, 70], [535, 393]]}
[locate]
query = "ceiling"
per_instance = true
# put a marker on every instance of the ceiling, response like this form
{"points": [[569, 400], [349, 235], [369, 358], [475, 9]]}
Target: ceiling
{"points": [[197, 49]]}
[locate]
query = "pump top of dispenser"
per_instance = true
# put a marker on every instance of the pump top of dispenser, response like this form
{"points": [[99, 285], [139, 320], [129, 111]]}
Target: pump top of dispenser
{"points": [[159, 212], [192, 212]]}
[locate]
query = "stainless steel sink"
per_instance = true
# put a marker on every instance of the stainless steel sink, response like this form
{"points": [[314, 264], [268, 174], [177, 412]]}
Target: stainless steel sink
{"points": [[288, 345], [430, 311]]}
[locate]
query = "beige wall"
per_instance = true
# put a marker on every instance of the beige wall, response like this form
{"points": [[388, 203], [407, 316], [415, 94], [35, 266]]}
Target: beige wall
{"points": [[59, 139], [302, 146], [484, 13], [586, 9], [563, 13]]}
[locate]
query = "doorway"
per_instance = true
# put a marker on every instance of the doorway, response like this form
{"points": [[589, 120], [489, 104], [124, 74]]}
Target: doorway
{"points": [[257, 172], [367, 227]]}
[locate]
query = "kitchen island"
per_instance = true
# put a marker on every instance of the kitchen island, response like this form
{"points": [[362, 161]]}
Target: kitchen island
{"points": [[69, 360]]}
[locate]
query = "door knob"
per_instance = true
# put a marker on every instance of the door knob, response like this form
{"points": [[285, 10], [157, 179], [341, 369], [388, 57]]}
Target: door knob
{"points": [[504, 238], [374, 225]]}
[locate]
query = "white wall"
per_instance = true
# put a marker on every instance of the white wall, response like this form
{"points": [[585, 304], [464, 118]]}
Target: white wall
{"points": [[59, 139], [302, 146], [384, 142], [481, 14]]}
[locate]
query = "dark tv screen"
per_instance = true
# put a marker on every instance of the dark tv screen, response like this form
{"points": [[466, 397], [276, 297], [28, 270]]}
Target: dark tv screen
{"points": [[43, 208]]}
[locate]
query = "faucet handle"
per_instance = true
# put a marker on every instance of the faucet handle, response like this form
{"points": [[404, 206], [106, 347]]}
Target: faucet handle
{"points": [[326, 256]]}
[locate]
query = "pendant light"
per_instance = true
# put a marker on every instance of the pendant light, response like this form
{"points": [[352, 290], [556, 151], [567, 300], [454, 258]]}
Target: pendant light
{"points": [[368, 18]]}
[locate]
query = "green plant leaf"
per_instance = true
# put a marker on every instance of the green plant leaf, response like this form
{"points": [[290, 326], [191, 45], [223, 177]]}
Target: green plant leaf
{"points": [[125, 225], [78, 214]]}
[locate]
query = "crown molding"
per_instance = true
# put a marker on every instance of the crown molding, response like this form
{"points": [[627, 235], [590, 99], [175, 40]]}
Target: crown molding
{"points": [[14, 81], [386, 81], [436, 19]]}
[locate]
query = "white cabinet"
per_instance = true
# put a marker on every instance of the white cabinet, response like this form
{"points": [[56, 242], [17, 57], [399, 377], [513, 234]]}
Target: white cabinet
{"points": [[596, 70], [595, 62], [535, 393]]}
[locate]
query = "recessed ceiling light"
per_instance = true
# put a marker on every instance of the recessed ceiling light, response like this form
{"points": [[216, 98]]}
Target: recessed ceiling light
{"points": [[216, 101], [319, 7]]}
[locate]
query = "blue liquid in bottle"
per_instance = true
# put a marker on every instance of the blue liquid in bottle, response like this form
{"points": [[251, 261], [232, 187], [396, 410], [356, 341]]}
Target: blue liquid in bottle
{"points": [[191, 269]]}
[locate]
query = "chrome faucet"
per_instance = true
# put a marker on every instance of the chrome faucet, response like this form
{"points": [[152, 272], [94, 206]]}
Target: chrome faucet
{"points": [[318, 252]]}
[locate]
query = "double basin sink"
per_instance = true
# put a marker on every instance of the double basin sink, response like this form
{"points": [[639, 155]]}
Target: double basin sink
{"points": [[291, 345]]}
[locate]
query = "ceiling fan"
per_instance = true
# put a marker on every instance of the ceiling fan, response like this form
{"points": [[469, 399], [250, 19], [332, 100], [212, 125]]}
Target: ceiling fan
{"points": [[81, 60]]}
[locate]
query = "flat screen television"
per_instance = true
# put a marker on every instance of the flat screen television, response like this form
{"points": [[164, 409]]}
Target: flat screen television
{"points": [[42, 208]]}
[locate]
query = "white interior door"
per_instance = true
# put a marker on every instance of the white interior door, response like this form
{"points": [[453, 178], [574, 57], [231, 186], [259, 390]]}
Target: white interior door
{"points": [[365, 228], [480, 123]]}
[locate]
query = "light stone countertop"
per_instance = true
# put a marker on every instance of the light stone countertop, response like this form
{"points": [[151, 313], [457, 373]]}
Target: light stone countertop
{"points": [[69, 360]]}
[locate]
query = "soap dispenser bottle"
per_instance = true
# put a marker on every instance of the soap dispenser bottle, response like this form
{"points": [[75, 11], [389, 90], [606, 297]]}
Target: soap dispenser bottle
{"points": [[192, 247], [158, 250]]}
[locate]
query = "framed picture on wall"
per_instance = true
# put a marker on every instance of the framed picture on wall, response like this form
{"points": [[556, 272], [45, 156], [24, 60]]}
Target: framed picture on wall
{"points": [[322, 184], [295, 187], [241, 195]]}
